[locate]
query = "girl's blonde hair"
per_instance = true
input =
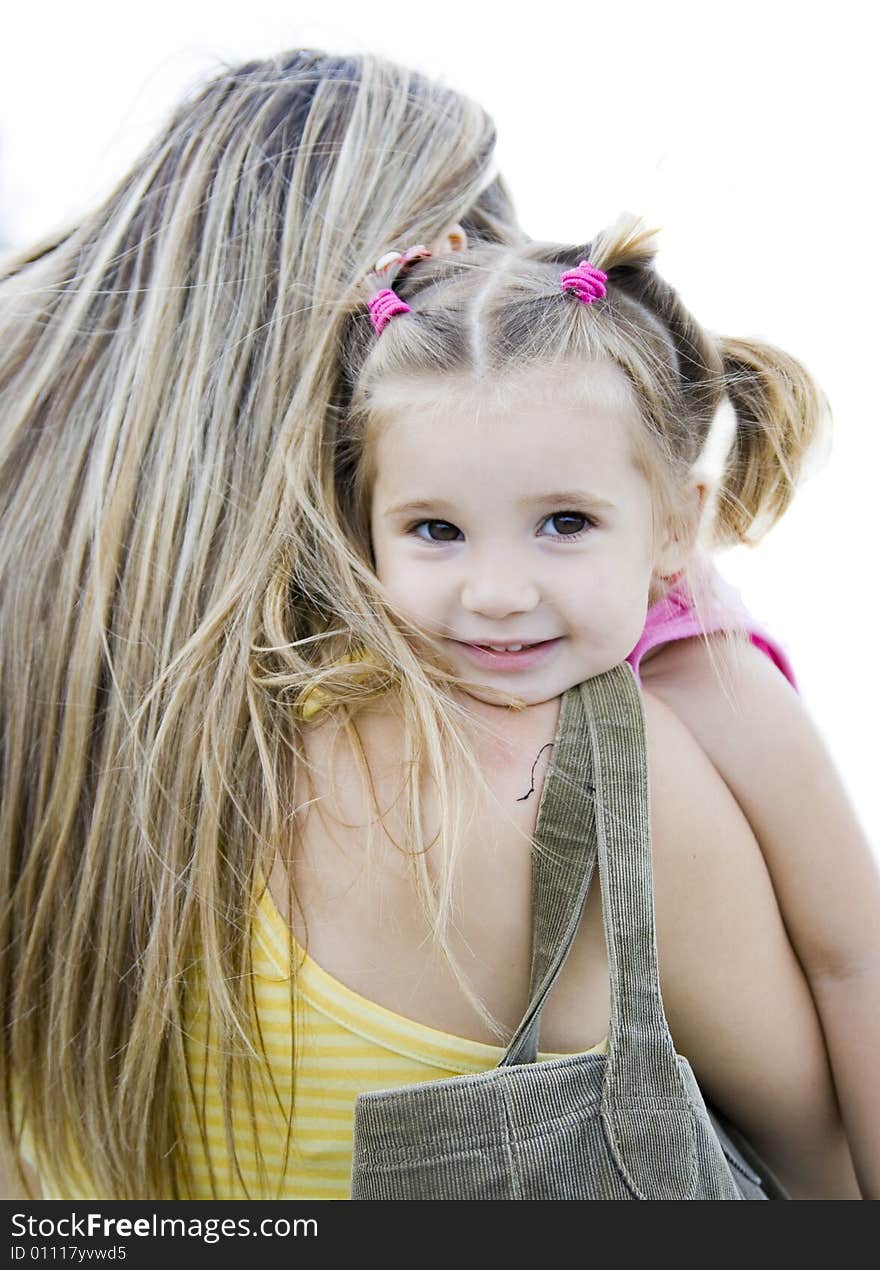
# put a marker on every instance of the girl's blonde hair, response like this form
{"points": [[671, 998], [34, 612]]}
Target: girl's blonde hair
{"points": [[491, 315], [499, 311], [177, 568]]}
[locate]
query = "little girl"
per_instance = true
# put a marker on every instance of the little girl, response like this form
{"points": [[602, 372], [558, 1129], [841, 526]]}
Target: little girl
{"points": [[526, 475], [268, 789]]}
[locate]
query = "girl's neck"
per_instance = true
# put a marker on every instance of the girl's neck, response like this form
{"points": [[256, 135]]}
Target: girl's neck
{"points": [[500, 732]]}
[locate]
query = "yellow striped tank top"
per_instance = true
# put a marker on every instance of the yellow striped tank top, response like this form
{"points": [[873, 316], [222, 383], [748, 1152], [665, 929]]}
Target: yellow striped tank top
{"points": [[344, 1044]]}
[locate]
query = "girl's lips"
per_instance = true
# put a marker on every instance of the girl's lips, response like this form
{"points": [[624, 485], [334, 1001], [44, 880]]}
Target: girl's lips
{"points": [[525, 659]]}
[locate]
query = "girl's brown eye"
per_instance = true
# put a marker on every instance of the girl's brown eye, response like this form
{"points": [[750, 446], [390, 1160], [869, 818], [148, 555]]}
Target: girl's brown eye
{"points": [[561, 517], [443, 523]]}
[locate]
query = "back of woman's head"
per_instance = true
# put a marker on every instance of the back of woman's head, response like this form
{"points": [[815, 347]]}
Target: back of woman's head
{"points": [[167, 370]]}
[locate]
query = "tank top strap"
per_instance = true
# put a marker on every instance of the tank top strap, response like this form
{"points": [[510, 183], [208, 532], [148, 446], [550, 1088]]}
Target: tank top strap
{"points": [[595, 808]]}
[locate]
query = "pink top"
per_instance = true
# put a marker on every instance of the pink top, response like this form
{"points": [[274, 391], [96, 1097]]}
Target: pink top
{"points": [[675, 617]]}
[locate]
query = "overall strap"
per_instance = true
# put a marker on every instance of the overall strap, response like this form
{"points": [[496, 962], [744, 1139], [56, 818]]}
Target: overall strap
{"points": [[642, 1063], [563, 861], [594, 805]]}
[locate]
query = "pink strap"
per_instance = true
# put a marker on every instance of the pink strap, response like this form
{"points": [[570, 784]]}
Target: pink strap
{"points": [[674, 617]]}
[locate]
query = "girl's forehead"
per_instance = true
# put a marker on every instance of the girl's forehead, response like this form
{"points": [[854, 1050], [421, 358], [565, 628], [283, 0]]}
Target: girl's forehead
{"points": [[523, 428], [595, 387]]}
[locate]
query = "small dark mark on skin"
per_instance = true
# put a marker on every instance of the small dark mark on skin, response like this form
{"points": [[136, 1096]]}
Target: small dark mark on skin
{"points": [[523, 798]]}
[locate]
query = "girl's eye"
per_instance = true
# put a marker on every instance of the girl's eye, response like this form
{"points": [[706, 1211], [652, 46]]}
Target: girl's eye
{"points": [[445, 527], [567, 528], [572, 525]]}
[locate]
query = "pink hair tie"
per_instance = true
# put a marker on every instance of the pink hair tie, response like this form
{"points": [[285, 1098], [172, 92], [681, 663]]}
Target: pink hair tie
{"points": [[587, 282], [383, 305]]}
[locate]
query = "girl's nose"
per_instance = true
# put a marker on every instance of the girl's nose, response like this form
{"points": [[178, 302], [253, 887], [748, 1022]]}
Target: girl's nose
{"points": [[496, 595]]}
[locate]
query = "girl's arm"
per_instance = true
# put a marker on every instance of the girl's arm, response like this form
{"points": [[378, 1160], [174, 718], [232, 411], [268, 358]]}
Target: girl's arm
{"points": [[736, 1000], [826, 878]]}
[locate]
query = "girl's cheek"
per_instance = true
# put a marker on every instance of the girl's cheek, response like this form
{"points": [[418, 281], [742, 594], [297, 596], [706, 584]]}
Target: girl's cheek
{"points": [[388, 563]]}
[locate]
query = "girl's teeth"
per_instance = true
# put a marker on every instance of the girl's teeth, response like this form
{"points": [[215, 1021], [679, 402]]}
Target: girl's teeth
{"points": [[507, 648]]}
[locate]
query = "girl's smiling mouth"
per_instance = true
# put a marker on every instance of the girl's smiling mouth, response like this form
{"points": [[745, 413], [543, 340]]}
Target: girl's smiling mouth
{"points": [[523, 659]]}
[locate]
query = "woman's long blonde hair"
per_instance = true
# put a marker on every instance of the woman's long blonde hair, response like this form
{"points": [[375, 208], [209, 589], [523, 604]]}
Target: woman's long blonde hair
{"points": [[176, 570]]}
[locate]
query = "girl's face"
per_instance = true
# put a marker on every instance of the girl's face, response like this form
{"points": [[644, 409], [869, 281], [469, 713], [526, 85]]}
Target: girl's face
{"points": [[517, 516]]}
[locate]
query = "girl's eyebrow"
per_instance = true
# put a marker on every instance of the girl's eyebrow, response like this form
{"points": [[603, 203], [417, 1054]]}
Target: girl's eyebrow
{"points": [[558, 496]]}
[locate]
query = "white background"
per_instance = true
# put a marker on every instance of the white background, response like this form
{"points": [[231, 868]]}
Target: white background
{"points": [[747, 131]]}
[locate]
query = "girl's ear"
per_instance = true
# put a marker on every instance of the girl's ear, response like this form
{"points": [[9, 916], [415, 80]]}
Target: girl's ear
{"points": [[679, 540]]}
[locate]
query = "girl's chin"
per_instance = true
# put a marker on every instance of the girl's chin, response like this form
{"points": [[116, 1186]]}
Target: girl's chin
{"points": [[486, 698]]}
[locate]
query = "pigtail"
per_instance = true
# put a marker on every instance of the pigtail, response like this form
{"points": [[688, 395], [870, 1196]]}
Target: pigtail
{"points": [[378, 293], [627, 244], [626, 251], [781, 414]]}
